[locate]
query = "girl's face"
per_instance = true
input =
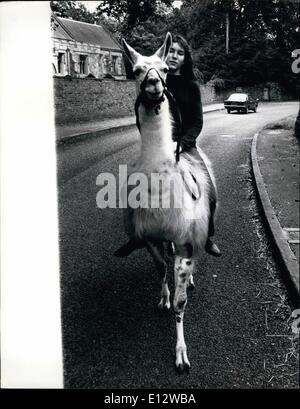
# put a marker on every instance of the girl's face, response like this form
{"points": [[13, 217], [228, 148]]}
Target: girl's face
{"points": [[175, 58]]}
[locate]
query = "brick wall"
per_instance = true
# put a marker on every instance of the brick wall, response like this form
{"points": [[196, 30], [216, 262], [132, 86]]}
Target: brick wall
{"points": [[86, 99], [81, 100], [210, 95], [270, 91]]}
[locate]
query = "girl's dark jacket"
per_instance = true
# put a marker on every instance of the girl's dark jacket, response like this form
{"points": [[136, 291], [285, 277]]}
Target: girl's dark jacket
{"points": [[187, 95]]}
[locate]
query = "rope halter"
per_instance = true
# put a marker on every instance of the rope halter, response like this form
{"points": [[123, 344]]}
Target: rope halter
{"points": [[143, 95], [143, 98]]}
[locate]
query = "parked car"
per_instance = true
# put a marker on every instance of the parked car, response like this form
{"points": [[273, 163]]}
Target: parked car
{"points": [[241, 102]]}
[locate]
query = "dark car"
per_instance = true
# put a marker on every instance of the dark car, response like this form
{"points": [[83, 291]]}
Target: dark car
{"points": [[241, 102]]}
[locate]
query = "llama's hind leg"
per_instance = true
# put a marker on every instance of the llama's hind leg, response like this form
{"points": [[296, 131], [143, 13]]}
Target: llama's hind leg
{"points": [[210, 246], [183, 270], [157, 252]]}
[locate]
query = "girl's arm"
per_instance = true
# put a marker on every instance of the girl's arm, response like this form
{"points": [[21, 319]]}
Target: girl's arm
{"points": [[194, 121]]}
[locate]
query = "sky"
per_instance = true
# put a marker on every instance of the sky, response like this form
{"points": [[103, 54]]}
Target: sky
{"points": [[91, 5]]}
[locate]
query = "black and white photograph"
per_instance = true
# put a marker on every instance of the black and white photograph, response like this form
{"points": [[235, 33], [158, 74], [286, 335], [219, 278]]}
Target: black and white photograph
{"points": [[150, 197]]}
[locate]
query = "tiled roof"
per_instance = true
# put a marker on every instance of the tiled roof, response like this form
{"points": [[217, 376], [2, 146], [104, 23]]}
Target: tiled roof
{"points": [[59, 32], [88, 33]]}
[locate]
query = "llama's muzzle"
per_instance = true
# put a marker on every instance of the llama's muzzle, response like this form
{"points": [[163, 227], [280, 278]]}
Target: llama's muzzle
{"points": [[153, 84]]}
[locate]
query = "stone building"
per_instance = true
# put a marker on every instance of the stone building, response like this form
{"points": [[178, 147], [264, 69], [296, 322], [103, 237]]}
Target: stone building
{"points": [[83, 49]]}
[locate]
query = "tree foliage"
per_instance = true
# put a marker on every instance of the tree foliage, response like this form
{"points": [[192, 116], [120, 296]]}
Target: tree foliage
{"points": [[133, 12], [262, 34], [74, 10]]}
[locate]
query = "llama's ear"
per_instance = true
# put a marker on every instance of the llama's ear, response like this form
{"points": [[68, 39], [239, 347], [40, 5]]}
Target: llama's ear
{"points": [[130, 53], [163, 51]]}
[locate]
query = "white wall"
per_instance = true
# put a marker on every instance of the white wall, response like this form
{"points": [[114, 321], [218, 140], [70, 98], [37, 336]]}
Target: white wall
{"points": [[31, 344]]}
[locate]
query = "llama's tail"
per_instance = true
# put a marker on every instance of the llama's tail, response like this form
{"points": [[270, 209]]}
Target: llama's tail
{"points": [[129, 247]]}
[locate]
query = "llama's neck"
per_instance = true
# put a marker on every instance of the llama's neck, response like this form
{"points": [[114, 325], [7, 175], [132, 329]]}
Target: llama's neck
{"points": [[156, 133]]}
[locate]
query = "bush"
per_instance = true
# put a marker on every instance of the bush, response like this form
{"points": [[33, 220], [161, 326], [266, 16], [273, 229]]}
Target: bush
{"points": [[297, 126]]}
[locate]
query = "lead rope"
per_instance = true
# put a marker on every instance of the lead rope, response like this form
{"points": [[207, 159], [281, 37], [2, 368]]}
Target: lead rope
{"points": [[157, 109], [178, 118], [176, 112]]}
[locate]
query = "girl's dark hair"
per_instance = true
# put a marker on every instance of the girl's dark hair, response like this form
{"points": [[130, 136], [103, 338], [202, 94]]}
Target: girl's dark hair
{"points": [[187, 70]]}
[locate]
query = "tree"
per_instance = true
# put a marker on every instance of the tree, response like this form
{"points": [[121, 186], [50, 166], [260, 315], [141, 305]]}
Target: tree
{"points": [[262, 35], [132, 12], [74, 10]]}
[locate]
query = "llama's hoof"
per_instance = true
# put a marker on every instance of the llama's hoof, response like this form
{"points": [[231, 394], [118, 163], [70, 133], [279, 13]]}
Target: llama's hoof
{"points": [[182, 368], [182, 362], [164, 304]]}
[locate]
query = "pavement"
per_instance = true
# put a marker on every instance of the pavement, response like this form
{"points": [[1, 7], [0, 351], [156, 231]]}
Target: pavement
{"points": [[67, 133], [275, 163]]}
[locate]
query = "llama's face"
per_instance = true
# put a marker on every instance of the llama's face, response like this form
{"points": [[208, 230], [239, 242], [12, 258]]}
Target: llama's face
{"points": [[150, 72]]}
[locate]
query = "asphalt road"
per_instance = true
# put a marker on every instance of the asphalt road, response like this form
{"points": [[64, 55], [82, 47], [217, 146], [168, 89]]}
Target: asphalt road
{"points": [[236, 321]]}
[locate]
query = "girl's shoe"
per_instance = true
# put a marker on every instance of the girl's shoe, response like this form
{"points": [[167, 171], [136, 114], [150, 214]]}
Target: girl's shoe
{"points": [[212, 248]]}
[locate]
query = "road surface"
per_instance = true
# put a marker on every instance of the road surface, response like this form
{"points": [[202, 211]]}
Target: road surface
{"points": [[236, 318]]}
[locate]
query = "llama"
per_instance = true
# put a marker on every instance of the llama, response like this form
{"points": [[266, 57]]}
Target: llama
{"points": [[185, 226]]}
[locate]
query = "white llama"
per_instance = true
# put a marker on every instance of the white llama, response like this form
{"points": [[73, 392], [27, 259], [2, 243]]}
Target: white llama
{"points": [[186, 225]]}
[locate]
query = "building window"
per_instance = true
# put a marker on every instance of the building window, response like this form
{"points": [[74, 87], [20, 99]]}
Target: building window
{"points": [[114, 64], [60, 63], [83, 64]]}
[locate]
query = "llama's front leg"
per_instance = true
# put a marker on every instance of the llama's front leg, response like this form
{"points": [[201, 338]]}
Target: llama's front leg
{"points": [[182, 361], [183, 270], [157, 252]]}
